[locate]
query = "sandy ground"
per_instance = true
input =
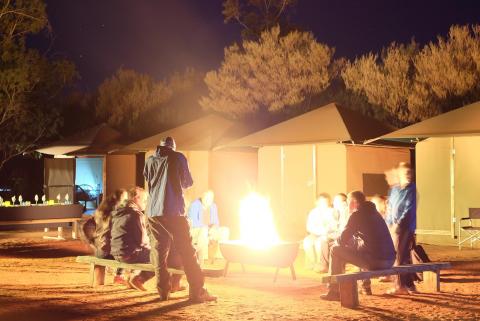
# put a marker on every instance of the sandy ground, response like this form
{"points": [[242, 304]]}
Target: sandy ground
{"points": [[40, 280]]}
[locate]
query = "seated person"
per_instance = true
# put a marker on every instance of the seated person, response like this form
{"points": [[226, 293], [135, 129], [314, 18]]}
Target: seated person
{"points": [[340, 218], [205, 227], [320, 225], [130, 243], [373, 249], [97, 229], [380, 204]]}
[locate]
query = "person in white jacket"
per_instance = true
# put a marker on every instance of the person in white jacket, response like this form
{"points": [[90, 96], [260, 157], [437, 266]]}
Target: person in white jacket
{"points": [[320, 224]]}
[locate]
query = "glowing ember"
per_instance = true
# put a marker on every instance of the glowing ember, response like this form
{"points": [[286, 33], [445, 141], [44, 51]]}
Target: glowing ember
{"points": [[256, 222]]}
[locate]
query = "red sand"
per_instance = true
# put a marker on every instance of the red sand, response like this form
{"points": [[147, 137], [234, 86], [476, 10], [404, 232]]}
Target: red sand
{"points": [[40, 280]]}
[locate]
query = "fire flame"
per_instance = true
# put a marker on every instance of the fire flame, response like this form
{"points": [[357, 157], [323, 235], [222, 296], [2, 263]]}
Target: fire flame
{"points": [[257, 228]]}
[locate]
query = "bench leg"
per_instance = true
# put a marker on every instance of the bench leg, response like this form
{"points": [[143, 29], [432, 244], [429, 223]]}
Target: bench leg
{"points": [[432, 280], [348, 294], [97, 275], [225, 269], [74, 230]]}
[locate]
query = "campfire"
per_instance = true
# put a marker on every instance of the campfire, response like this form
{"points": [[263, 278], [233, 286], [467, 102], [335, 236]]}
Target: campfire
{"points": [[259, 243], [257, 228]]}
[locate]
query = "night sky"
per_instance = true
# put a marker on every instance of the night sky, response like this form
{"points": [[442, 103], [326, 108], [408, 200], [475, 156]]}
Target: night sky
{"points": [[161, 36]]}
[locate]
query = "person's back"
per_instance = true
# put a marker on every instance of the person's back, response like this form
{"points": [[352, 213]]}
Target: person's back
{"points": [[166, 176], [367, 224], [127, 231]]}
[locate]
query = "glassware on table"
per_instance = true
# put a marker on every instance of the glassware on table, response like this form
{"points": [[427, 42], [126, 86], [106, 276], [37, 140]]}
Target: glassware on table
{"points": [[66, 198], [36, 199], [44, 198], [1, 201], [20, 200], [14, 198], [58, 198]]}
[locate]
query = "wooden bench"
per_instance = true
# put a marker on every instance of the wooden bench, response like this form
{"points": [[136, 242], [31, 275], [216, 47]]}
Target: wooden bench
{"points": [[97, 268], [73, 220], [348, 282]]}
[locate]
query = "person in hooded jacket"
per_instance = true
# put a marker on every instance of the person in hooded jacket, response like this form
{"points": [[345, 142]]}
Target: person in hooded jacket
{"points": [[129, 242], [373, 248], [167, 175]]}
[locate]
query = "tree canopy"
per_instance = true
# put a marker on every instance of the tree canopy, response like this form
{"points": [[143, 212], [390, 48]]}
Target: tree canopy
{"points": [[269, 75], [257, 16], [30, 83], [414, 83], [133, 102]]}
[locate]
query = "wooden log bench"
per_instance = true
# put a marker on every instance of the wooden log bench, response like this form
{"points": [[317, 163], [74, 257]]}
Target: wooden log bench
{"points": [[348, 282], [97, 268], [73, 220]]}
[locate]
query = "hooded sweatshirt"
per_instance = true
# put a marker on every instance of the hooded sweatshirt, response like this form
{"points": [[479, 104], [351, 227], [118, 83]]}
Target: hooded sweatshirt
{"points": [[368, 225], [128, 231], [167, 174]]}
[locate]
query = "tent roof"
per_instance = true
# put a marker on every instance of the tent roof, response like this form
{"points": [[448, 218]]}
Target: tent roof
{"points": [[463, 121], [96, 138], [330, 123], [201, 134]]}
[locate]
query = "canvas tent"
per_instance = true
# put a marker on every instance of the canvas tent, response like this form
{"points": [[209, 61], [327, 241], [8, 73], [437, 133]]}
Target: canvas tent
{"points": [[230, 173], [318, 152], [447, 171], [89, 158]]}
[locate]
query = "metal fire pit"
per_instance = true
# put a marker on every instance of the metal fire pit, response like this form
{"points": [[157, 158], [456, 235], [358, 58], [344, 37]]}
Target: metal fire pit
{"points": [[281, 255]]}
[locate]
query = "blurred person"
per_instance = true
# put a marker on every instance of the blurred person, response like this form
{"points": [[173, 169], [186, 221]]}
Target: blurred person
{"points": [[374, 252], [205, 227], [97, 229], [167, 175], [402, 219], [320, 224], [380, 204]]}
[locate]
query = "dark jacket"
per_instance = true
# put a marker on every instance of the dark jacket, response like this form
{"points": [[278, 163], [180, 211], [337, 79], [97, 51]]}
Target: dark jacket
{"points": [[167, 174], [369, 226], [127, 231]]}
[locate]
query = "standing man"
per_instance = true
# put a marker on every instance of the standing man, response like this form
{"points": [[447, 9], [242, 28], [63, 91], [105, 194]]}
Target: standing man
{"points": [[373, 249], [402, 219], [167, 174]]}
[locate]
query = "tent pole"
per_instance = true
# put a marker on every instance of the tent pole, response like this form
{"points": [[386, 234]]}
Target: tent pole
{"points": [[314, 168], [452, 187], [282, 181]]}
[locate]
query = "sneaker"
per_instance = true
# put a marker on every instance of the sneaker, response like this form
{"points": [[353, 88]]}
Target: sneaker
{"points": [[137, 283], [202, 296], [119, 279], [365, 291], [398, 291], [331, 296]]}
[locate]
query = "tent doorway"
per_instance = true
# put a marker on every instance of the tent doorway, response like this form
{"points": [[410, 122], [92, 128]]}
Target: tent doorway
{"points": [[89, 181]]}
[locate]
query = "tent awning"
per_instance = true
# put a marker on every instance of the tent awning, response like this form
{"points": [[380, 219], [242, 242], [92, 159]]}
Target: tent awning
{"points": [[330, 123], [96, 138], [464, 121], [201, 134]]}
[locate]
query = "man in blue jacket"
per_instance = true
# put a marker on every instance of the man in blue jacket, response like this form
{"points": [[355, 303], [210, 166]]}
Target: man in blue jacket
{"points": [[205, 227], [167, 174], [402, 219]]}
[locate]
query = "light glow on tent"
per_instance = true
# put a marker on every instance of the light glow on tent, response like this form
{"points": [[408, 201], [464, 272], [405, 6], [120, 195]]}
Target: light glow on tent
{"points": [[257, 228]]}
